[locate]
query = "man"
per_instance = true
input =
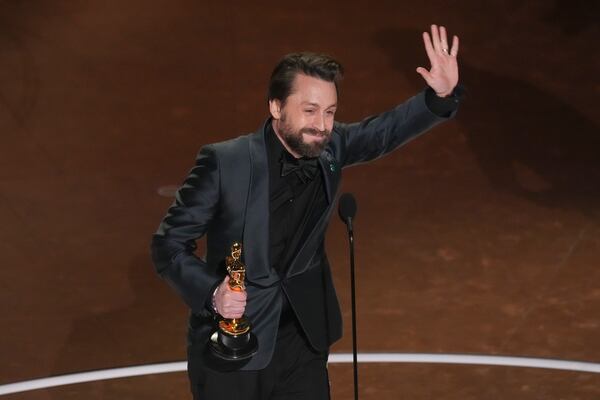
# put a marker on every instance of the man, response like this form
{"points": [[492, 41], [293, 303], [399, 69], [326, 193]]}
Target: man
{"points": [[274, 191]]}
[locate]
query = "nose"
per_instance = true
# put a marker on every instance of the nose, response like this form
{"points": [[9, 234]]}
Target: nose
{"points": [[319, 122]]}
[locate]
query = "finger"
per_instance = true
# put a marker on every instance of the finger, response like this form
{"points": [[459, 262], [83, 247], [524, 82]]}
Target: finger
{"points": [[228, 297], [443, 39], [238, 296], [428, 46], [238, 310], [235, 311], [231, 298], [232, 314], [454, 50], [234, 308], [424, 73], [235, 303], [435, 36]]}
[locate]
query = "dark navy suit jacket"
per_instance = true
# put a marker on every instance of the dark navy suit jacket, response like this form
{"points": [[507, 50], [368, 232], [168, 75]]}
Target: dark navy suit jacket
{"points": [[226, 198]]}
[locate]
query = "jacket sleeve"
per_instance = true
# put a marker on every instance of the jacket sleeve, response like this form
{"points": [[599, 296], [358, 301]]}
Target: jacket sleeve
{"points": [[187, 220], [378, 135]]}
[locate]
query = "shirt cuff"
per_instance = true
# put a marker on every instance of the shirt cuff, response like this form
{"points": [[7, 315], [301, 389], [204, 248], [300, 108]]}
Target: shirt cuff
{"points": [[443, 106], [209, 301]]}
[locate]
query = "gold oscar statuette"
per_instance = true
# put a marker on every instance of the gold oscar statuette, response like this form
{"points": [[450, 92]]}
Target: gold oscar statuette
{"points": [[233, 339]]}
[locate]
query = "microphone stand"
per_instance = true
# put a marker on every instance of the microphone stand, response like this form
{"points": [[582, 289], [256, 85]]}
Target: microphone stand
{"points": [[347, 211], [353, 300]]}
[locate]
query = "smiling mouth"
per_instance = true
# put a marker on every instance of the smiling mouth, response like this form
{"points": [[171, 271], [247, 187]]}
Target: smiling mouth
{"points": [[316, 134], [317, 137]]}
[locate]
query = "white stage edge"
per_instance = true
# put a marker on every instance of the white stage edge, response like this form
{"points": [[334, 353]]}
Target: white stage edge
{"points": [[462, 359]]}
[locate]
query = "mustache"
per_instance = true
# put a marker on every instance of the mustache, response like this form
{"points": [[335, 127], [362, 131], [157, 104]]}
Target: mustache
{"points": [[316, 132]]}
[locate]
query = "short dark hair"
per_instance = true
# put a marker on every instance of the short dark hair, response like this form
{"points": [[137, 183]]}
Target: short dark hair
{"points": [[316, 65]]}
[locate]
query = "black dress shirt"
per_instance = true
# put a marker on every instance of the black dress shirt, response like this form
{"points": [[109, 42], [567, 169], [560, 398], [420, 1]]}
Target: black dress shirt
{"points": [[293, 200]]}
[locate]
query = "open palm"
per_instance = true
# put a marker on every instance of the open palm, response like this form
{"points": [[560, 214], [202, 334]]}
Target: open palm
{"points": [[442, 77]]}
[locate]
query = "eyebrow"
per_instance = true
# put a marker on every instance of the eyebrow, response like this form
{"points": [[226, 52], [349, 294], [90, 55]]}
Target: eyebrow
{"points": [[308, 103]]}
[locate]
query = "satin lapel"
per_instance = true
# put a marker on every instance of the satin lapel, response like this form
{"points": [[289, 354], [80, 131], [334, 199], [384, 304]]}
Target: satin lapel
{"points": [[331, 173], [331, 176], [256, 226]]}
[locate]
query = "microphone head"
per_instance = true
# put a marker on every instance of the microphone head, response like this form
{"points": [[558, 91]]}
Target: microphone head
{"points": [[347, 206]]}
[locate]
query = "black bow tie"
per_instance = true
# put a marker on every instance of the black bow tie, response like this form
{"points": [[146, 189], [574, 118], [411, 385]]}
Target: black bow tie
{"points": [[304, 168]]}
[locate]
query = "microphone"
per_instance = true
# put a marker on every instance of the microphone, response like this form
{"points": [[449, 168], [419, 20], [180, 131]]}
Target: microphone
{"points": [[347, 209]]}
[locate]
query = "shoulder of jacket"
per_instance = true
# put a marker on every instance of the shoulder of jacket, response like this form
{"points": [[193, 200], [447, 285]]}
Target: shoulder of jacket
{"points": [[229, 144], [229, 147], [338, 138]]}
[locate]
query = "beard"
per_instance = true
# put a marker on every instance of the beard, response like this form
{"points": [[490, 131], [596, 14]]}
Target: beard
{"points": [[293, 138]]}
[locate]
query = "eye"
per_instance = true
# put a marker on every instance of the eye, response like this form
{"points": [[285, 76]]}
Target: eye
{"points": [[309, 111]]}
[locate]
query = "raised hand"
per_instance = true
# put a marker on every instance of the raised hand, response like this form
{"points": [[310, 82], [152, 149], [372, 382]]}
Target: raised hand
{"points": [[442, 77]]}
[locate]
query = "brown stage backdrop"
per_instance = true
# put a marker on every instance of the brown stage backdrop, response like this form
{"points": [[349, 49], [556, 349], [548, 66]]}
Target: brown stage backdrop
{"points": [[481, 237]]}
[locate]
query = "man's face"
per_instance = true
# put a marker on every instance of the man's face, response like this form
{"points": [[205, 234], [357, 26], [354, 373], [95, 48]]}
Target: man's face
{"points": [[305, 121]]}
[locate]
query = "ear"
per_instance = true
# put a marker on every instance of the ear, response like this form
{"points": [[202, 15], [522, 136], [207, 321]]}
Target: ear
{"points": [[275, 108]]}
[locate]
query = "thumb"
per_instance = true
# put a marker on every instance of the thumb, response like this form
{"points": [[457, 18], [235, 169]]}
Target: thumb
{"points": [[424, 73], [225, 281]]}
